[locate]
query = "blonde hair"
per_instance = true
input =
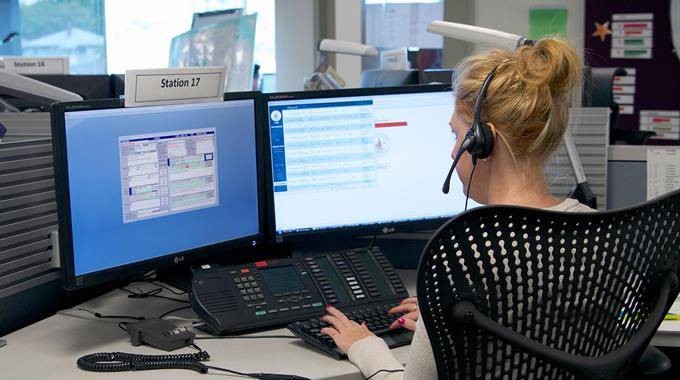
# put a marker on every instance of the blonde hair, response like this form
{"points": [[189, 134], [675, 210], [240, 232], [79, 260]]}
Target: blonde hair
{"points": [[529, 97]]}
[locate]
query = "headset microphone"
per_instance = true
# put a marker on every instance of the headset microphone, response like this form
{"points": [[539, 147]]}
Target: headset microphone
{"points": [[463, 147], [478, 139]]}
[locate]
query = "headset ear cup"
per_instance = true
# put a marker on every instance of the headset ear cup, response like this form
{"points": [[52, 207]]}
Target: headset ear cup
{"points": [[486, 140]]}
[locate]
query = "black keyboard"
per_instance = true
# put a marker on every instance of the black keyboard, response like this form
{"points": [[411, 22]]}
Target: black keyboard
{"points": [[376, 318]]}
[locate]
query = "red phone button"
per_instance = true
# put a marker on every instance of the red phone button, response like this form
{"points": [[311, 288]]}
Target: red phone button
{"points": [[245, 270], [260, 264]]}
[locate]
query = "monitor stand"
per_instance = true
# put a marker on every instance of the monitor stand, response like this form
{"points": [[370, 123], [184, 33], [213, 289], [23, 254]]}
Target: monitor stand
{"points": [[179, 278]]}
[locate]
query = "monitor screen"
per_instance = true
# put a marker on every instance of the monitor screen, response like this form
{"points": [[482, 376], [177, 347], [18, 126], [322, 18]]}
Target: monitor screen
{"points": [[361, 163], [148, 182]]}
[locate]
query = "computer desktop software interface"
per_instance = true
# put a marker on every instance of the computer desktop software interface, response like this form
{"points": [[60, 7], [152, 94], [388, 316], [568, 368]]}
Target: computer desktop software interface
{"points": [[343, 162], [152, 181]]}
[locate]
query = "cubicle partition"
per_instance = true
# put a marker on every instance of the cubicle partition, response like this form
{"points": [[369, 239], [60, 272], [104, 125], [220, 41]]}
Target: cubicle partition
{"points": [[28, 221], [589, 127]]}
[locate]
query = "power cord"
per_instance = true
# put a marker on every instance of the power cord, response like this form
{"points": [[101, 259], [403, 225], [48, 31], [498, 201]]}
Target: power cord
{"points": [[99, 315], [150, 293], [171, 290], [173, 310], [248, 337], [372, 243]]}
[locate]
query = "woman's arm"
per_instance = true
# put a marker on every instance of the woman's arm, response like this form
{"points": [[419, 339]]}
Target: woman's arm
{"points": [[372, 355]]}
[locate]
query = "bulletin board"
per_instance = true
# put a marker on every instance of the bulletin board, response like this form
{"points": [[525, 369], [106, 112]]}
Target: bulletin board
{"points": [[637, 36]]}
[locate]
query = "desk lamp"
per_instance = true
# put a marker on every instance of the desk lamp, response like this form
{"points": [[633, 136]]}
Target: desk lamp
{"points": [[30, 89], [325, 77]]}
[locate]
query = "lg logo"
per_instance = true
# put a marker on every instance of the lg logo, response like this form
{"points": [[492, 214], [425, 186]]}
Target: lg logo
{"points": [[388, 230], [178, 259]]}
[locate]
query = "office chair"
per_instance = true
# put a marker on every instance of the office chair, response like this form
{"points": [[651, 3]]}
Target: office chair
{"points": [[598, 92], [518, 293]]}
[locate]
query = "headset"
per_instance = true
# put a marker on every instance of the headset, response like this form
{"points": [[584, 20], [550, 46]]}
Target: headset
{"points": [[478, 140]]}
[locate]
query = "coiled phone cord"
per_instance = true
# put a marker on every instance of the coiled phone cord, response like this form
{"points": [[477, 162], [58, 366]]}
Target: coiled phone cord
{"points": [[121, 361]]}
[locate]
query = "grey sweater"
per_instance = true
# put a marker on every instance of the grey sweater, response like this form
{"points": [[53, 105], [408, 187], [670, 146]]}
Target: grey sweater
{"points": [[371, 354]]}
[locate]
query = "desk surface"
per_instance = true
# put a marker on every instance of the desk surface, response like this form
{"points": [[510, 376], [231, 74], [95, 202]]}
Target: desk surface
{"points": [[50, 348]]}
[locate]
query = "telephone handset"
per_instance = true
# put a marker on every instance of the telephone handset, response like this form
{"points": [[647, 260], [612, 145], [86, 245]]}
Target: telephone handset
{"points": [[272, 293]]}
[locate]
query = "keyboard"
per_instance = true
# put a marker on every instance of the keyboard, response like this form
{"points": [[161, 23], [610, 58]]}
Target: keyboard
{"points": [[376, 318]]}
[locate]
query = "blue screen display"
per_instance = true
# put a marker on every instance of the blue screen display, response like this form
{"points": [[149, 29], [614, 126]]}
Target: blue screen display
{"points": [[153, 181]]}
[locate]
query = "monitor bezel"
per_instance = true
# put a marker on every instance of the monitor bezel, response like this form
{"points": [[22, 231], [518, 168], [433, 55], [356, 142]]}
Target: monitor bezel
{"points": [[373, 229], [241, 249]]}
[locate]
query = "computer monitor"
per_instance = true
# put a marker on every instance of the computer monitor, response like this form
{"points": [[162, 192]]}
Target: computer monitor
{"points": [[430, 76], [388, 78], [89, 86], [145, 188], [360, 162]]}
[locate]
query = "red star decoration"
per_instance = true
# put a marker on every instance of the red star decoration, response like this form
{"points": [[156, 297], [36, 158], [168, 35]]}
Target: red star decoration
{"points": [[602, 30]]}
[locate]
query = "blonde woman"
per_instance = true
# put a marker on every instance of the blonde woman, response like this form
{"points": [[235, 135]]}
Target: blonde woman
{"points": [[527, 109]]}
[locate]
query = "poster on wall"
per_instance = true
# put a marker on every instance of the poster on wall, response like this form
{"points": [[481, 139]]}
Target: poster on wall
{"points": [[544, 22], [666, 124], [638, 36], [632, 35], [624, 91]]}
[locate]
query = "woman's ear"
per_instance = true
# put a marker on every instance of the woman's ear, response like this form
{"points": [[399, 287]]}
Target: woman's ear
{"points": [[493, 131], [494, 134]]}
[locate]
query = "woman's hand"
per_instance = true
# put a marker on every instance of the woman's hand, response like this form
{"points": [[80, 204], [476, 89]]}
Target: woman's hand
{"points": [[411, 313], [343, 331]]}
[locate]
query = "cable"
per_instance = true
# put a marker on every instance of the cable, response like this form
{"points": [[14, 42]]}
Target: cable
{"points": [[173, 310], [150, 293], [194, 345], [248, 337], [99, 315], [467, 195], [261, 376], [230, 371], [171, 290], [349, 246], [372, 243], [384, 370], [122, 362]]}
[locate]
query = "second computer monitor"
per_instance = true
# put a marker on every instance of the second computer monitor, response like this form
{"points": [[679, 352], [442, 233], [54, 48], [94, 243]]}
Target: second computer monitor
{"points": [[355, 162], [145, 188]]}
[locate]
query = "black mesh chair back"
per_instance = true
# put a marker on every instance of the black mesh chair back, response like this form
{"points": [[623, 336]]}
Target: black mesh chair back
{"points": [[519, 293]]}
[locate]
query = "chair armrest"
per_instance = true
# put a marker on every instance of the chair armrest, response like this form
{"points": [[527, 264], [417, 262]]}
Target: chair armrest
{"points": [[602, 367]]}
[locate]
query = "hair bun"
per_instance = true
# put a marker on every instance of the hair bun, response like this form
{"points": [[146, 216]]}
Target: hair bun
{"points": [[552, 62]]}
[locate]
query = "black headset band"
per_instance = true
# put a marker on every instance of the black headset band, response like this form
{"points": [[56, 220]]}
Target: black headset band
{"points": [[482, 95]]}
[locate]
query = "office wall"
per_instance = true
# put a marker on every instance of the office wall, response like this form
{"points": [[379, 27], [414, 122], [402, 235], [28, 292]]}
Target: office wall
{"points": [[296, 41], [349, 25], [513, 16], [462, 12]]}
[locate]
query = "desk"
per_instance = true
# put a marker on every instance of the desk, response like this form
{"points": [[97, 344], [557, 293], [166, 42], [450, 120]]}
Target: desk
{"points": [[668, 334], [49, 349]]}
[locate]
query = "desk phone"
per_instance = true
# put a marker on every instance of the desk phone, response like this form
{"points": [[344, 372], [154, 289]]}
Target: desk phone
{"points": [[273, 293]]}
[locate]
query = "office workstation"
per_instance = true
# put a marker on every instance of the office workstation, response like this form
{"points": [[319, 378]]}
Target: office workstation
{"points": [[298, 190]]}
